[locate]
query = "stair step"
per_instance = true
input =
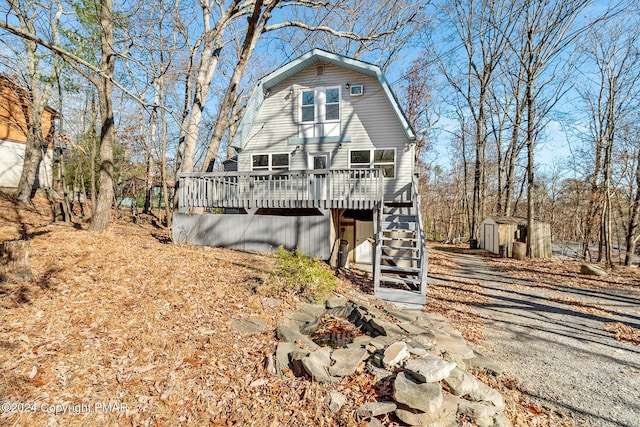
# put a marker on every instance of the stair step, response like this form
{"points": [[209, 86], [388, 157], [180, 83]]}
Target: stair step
{"points": [[401, 248], [400, 226], [402, 239], [399, 258], [402, 280], [409, 300], [401, 210], [398, 218], [397, 269]]}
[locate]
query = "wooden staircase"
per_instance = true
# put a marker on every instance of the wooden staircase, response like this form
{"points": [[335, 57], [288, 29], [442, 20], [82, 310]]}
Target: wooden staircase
{"points": [[400, 269]]}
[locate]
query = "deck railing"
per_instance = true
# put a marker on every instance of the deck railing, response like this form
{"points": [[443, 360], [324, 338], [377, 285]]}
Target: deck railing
{"points": [[332, 188]]}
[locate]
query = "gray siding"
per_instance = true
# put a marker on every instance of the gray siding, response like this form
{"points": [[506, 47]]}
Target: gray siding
{"points": [[369, 120], [311, 234]]}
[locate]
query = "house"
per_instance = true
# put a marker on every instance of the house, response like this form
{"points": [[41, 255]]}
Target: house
{"points": [[13, 136], [497, 231], [325, 164]]}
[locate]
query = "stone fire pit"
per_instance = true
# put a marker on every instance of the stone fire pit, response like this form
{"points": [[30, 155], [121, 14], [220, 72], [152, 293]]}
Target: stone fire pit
{"points": [[419, 353]]}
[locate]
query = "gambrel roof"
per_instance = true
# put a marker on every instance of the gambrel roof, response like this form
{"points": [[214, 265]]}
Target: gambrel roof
{"points": [[296, 66]]}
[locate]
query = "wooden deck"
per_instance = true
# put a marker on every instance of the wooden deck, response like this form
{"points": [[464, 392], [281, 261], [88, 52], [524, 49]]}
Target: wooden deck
{"points": [[325, 189]]}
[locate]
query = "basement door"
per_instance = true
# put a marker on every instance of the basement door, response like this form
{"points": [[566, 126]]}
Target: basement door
{"points": [[364, 248]]}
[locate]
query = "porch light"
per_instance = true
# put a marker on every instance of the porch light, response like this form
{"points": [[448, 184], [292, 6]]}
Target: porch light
{"points": [[347, 86]]}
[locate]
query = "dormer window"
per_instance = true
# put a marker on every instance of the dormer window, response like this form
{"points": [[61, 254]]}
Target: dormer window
{"points": [[319, 112]]}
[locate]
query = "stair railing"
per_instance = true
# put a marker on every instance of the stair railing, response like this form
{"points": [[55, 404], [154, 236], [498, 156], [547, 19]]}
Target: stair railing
{"points": [[420, 235]]}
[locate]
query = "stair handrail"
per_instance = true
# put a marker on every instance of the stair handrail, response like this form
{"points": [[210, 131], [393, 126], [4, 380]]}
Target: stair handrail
{"points": [[415, 195]]}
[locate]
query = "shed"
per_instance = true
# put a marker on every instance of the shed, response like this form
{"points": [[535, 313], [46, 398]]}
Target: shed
{"points": [[496, 231]]}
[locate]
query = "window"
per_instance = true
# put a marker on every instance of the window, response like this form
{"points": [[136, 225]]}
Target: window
{"points": [[267, 162], [356, 90], [319, 112], [383, 158], [360, 159]]}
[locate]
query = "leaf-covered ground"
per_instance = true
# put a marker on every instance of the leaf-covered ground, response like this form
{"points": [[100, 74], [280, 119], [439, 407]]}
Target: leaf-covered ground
{"points": [[127, 328]]}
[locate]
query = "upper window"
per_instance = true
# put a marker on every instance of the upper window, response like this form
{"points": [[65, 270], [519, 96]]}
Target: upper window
{"points": [[320, 112], [384, 159]]}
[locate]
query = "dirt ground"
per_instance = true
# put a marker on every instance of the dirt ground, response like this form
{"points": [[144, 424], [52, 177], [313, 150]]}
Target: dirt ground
{"points": [[127, 328]]}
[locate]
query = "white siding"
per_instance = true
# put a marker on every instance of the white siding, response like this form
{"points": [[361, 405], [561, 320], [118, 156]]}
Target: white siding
{"points": [[11, 162], [368, 120]]}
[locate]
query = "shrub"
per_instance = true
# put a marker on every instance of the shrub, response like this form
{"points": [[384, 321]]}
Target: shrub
{"points": [[301, 275]]}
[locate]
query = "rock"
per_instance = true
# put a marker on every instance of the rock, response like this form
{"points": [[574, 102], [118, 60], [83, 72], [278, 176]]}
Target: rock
{"points": [[282, 354], [316, 364], [461, 382], [311, 327], [286, 333], [395, 354], [374, 409], [426, 397], [429, 369], [477, 410], [455, 358], [335, 301], [248, 326], [386, 328], [428, 340], [381, 342], [402, 315], [270, 364], [592, 270], [271, 302], [454, 345], [343, 312], [336, 401], [412, 329], [314, 310], [418, 351], [445, 416], [481, 363], [346, 361], [484, 393], [361, 341]]}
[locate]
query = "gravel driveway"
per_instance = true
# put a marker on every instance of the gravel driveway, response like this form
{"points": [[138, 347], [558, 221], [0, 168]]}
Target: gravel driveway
{"points": [[562, 357]]}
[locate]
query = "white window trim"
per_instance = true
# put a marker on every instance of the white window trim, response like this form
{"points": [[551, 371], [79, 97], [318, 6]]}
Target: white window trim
{"points": [[371, 159], [270, 162], [319, 104]]}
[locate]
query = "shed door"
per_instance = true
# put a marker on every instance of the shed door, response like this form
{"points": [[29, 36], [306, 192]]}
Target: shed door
{"points": [[364, 249], [489, 240]]}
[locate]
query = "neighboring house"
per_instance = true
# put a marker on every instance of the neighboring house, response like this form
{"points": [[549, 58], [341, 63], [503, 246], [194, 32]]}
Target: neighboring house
{"points": [[13, 136], [504, 231], [325, 164]]}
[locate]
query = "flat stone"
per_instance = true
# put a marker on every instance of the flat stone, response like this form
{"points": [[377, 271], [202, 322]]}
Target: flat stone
{"points": [[271, 302], [374, 409], [501, 421], [335, 301], [346, 361], [248, 326], [336, 401], [428, 340], [418, 351], [378, 372], [461, 383], [386, 328], [429, 369], [361, 341], [412, 329], [592, 270], [426, 397], [455, 358], [316, 364], [343, 312], [315, 310], [445, 416], [282, 353], [402, 315], [454, 345], [484, 393], [481, 363], [286, 333], [311, 327], [381, 342], [476, 410], [395, 354]]}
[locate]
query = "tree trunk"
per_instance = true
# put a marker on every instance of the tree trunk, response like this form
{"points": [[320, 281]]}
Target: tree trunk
{"points": [[14, 261], [631, 238], [102, 213]]}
